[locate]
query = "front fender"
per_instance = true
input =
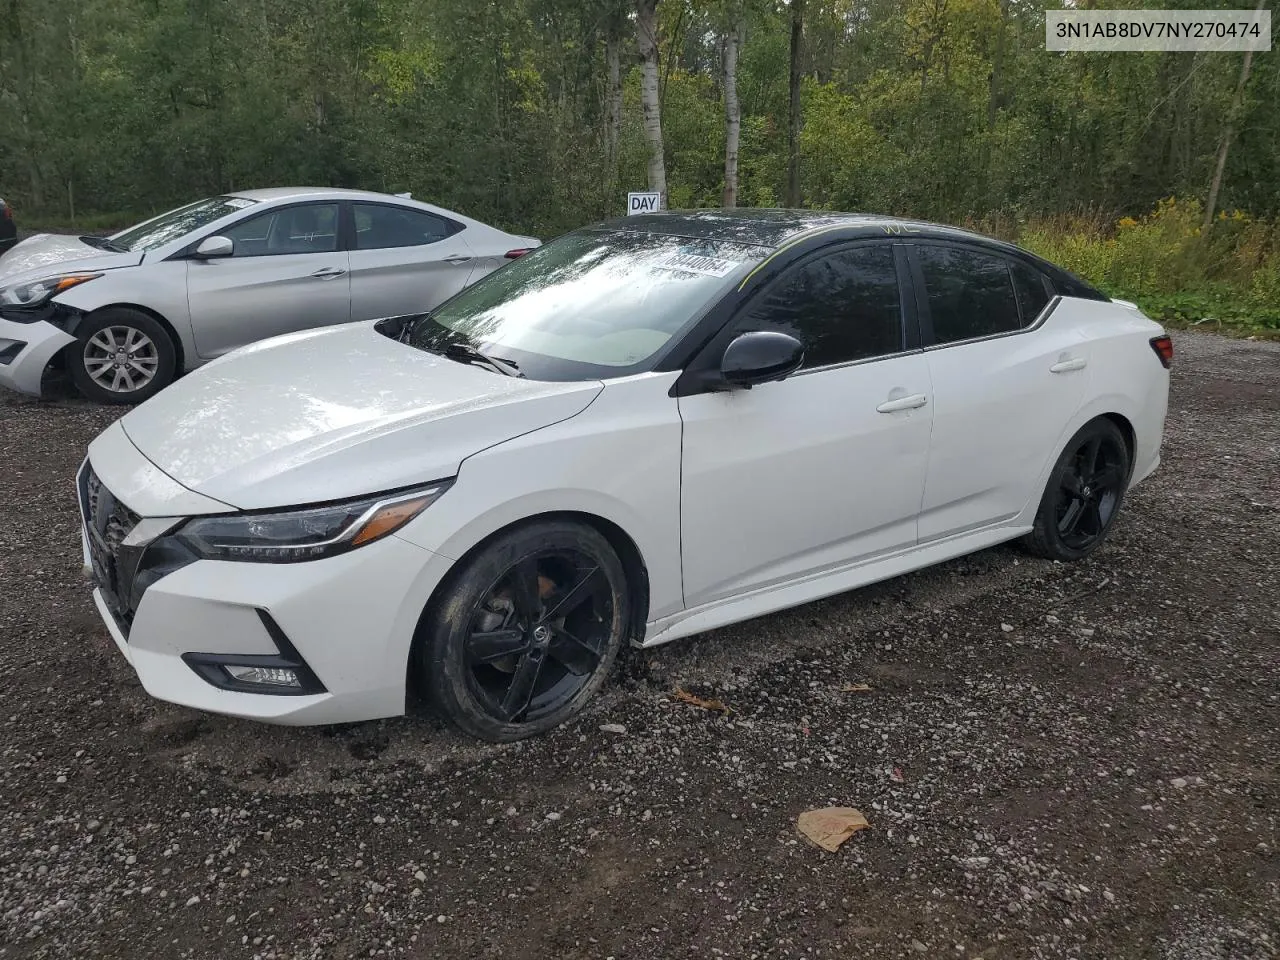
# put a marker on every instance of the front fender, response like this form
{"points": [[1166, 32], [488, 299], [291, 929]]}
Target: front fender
{"points": [[619, 460], [158, 288]]}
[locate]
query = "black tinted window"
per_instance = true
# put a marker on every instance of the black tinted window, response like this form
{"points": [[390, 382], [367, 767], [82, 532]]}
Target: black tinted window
{"points": [[380, 226], [842, 306], [312, 228], [970, 294], [1032, 295]]}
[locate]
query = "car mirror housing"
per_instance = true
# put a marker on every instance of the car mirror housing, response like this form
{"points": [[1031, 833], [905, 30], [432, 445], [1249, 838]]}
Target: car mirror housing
{"points": [[211, 247], [761, 356]]}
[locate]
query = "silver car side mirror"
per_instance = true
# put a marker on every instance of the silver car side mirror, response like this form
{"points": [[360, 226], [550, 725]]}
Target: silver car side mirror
{"points": [[211, 247]]}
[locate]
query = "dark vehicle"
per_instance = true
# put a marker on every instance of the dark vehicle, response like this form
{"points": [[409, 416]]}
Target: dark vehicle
{"points": [[8, 229]]}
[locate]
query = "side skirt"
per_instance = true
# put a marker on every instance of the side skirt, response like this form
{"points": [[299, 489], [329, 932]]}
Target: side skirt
{"points": [[816, 586]]}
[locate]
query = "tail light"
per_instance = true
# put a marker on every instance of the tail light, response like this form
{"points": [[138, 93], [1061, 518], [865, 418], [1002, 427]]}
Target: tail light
{"points": [[520, 252], [1163, 346]]}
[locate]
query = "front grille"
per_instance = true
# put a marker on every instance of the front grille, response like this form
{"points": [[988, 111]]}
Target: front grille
{"points": [[108, 522]]}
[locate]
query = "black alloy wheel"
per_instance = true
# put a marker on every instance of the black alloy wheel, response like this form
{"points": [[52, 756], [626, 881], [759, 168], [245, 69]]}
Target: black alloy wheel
{"points": [[1084, 494], [527, 632]]}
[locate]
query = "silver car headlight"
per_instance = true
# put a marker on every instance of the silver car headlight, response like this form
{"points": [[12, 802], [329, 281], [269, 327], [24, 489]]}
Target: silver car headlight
{"points": [[311, 533], [34, 293]]}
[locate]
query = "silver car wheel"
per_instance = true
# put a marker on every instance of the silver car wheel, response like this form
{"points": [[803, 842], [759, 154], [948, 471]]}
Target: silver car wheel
{"points": [[121, 359]]}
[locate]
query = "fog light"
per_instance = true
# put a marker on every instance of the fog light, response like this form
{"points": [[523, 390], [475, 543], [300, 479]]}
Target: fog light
{"points": [[268, 676]]}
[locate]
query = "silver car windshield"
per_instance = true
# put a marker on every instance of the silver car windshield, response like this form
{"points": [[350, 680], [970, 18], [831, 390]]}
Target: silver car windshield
{"points": [[177, 223], [605, 302]]}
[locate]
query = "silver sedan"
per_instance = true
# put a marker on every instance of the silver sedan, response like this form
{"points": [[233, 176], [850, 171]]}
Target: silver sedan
{"points": [[129, 312]]}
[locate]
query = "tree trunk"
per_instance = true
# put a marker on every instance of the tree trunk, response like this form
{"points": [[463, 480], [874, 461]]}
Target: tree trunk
{"points": [[1228, 134], [647, 42], [997, 69], [793, 129], [613, 101], [995, 92], [732, 113]]}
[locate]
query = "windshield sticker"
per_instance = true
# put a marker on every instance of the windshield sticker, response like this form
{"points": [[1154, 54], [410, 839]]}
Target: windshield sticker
{"points": [[238, 202], [693, 263]]}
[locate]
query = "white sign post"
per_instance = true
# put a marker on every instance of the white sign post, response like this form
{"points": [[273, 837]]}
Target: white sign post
{"points": [[643, 203]]}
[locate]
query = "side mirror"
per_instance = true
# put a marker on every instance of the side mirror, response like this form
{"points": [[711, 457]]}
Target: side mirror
{"points": [[211, 247], [760, 357]]}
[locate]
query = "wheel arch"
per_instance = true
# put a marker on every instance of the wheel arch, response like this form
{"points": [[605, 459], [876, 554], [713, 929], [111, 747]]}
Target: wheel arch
{"points": [[1127, 431], [623, 544]]}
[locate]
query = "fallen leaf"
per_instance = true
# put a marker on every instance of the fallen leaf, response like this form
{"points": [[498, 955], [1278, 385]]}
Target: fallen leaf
{"points": [[856, 688], [693, 700], [831, 826], [896, 776]]}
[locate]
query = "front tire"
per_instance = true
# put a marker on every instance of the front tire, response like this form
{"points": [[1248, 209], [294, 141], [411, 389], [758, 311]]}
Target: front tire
{"points": [[1084, 494], [121, 356], [524, 633]]}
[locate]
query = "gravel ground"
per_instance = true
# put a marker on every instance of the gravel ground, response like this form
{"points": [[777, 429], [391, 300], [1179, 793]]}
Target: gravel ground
{"points": [[1057, 761]]}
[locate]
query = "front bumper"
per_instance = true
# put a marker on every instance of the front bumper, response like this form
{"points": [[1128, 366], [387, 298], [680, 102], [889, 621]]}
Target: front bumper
{"points": [[348, 620], [351, 619], [25, 351]]}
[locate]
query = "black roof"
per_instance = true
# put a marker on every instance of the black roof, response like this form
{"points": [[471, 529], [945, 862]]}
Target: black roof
{"points": [[773, 227]]}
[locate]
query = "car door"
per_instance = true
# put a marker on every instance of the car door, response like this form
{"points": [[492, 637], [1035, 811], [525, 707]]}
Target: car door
{"points": [[286, 272], [1007, 382], [826, 467], [405, 260]]}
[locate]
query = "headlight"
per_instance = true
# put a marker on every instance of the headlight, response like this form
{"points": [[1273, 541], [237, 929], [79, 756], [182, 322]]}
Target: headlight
{"points": [[38, 291], [307, 534]]}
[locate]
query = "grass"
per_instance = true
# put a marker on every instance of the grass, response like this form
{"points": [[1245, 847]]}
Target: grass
{"points": [[101, 223]]}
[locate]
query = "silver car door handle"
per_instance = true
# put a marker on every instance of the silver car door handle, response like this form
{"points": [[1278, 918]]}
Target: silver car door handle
{"points": [[457, 258], [328, 273], [903, 403], [1066, 366]]}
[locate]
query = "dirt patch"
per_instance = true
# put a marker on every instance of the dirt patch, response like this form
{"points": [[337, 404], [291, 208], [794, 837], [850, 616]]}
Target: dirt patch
{"points": [[1098, 782]]}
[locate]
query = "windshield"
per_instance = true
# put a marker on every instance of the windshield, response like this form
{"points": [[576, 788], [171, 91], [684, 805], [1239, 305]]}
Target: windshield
{"points": [[590, 304], [177, 223]]}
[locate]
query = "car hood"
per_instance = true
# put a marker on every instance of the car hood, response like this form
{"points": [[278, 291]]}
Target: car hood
{"points": [[335, 413], [36, 257]]}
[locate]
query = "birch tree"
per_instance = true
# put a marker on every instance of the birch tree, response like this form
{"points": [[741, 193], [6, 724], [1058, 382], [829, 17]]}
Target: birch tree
{"points": [[647, 43]]}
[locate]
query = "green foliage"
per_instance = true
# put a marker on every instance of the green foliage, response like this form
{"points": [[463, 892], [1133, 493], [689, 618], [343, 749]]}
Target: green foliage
{"points": [[948, 110], [1170, 266]]}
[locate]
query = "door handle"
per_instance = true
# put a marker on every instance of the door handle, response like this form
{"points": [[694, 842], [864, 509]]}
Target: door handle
{"points": [[903, 403], [1066, 366], [457, 258], [328, 273]]}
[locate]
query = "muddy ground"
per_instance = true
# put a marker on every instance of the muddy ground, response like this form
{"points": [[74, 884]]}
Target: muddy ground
{"points": [[1057, 761]]}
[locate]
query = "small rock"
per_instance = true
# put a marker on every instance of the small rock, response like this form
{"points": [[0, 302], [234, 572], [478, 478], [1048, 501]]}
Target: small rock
{"points": [[919, 947], [193, 901], [379, 819], [1007, 627], [613, 728], [1177, 783], [553, 815]]}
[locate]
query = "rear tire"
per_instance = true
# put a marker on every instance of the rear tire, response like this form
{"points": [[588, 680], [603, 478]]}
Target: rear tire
{"points": [[524, 633], [1085, 491], [121, 355]]}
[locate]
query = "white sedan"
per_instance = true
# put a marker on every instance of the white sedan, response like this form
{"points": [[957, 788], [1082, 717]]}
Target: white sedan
{"points": [[643, 430], [128, 313]]}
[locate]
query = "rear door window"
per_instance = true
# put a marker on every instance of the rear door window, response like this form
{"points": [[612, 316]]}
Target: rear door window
{"points": [[969, 293], [1033, 296], [380, 226]]}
